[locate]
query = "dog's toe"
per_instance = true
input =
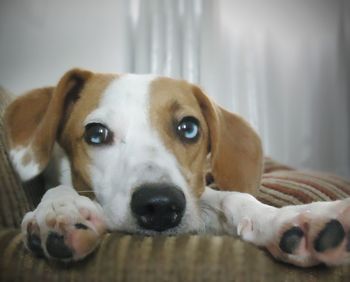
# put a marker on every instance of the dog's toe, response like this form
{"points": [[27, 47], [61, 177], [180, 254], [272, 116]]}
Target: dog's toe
{"points": [[34, 244], [330, 236], [80, 226], [291, 239], [56, 246], [332, 242], [32, 238], [319, 234]]}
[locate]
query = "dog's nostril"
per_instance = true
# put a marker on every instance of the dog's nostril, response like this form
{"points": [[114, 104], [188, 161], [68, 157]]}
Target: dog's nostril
{"points": [[158, 206]]}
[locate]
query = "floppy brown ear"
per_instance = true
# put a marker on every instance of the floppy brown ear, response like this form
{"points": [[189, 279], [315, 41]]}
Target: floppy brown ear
{"points": [[235, 148], [33, 122]]}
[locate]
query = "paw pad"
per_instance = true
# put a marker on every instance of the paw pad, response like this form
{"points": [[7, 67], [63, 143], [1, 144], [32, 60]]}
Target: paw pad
{"points": [[34, 244], [330, 236], [56, 246], [80, 226], [291, 239]]}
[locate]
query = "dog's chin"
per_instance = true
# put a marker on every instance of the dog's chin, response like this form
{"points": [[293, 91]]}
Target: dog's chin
{"points": [[182, 228], [168, 232]]}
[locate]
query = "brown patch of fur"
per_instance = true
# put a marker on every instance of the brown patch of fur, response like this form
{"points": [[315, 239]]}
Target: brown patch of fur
{"points": [[41, 116], [170, 101], [24, 114], [48, 129], [236, 152], [71, 138]]}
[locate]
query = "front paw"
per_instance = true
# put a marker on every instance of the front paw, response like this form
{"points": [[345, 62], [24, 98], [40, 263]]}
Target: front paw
{"points": [[318, 234], [64, 226]]}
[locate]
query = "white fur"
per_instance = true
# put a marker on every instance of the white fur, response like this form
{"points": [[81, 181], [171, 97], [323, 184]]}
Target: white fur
{"points": [[240, 214], [137, 156], [25, 171], [243, 215], [65, 205], [58, 170]]}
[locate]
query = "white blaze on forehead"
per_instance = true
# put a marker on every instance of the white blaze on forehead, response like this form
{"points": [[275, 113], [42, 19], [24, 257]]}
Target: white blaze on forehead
{"points": [[137, 155], [124, 109], [124, 103]]}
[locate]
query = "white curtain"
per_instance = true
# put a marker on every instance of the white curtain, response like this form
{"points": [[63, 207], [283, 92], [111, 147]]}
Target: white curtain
{"points": [[283, 65]]}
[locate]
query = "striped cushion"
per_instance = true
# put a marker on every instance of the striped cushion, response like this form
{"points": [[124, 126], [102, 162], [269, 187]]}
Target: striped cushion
{"points": [[271, 165], [282, 186]]}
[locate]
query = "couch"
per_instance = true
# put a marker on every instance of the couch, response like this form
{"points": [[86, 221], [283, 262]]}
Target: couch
{"points": [[125, 257]]}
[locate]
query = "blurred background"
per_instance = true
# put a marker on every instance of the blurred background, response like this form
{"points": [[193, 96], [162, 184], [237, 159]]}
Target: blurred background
{"points": [[283, 65]]}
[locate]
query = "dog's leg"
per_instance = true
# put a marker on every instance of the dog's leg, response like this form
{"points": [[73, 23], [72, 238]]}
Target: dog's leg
{"points": [[303, 235], [64, 226]]}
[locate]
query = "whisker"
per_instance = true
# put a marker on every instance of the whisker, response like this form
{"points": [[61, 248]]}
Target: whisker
{"points": [[86, 192], [206, 207], [202, 225]]}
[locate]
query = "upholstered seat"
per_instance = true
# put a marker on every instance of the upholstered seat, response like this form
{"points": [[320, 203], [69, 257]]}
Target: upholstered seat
{"points": [[123, 257]]}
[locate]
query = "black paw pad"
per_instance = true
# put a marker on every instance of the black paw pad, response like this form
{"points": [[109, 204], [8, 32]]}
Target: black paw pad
{"points": [[330, 236], [291, 239], [34, 244], [80, 226], [56, 247]]}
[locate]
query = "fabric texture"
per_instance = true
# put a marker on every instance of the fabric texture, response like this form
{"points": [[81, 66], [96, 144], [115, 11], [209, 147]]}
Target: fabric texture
{"points": [[124, 257], [282, 185]]}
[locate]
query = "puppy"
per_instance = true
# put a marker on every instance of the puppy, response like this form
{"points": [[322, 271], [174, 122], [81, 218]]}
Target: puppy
{"points": [[144, 149]]}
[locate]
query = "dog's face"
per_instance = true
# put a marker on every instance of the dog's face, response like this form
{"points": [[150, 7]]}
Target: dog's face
{"points": [[143, 144]]}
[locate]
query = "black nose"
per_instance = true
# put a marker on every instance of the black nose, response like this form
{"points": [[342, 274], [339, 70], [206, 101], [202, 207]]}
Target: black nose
{"points": [[158, 206]]}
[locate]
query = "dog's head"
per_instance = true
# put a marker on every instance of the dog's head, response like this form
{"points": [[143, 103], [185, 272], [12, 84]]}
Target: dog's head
{"points": [[145, 145]]}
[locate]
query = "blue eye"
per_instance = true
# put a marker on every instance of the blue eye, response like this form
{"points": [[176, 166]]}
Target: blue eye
{"points": [[97, 134], [188, 128]]}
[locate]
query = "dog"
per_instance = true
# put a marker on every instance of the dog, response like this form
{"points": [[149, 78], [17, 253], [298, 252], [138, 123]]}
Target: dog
{"points": [[154, 155]]}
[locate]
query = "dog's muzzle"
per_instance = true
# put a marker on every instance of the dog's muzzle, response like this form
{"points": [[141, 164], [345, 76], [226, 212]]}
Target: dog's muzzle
{"points": [[157, 206]]}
